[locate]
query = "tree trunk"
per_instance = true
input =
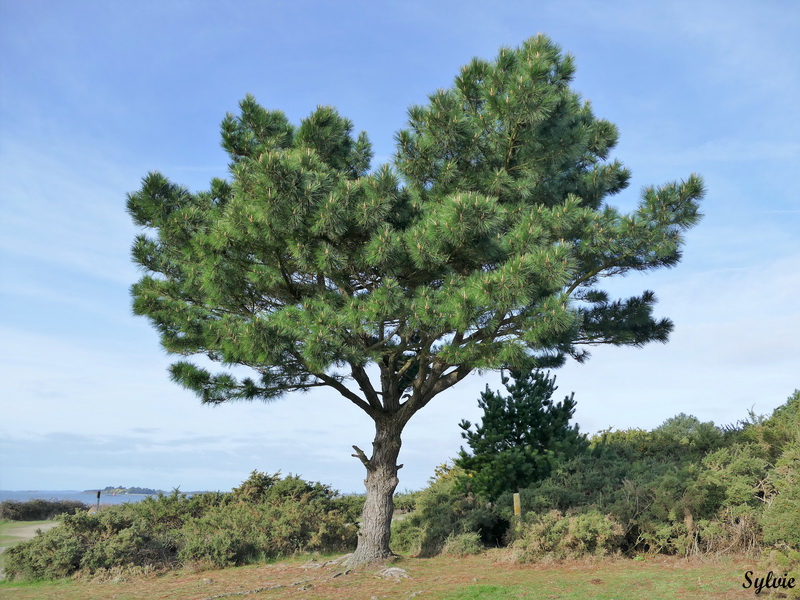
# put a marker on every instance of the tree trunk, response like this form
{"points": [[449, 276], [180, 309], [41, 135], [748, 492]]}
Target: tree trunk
{"points": [[381, 482]]}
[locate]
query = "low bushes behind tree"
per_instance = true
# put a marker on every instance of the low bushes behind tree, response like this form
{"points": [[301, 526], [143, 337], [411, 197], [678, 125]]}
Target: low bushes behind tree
{"points": [[685, 488], [266, 517], [38, 510]]}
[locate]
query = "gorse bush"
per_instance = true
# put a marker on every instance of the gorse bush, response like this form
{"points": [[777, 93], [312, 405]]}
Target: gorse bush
{"points": [[266, 516], [684, 488], [442, 511], [687, 487], [463, 544], [405, 502], [38, 510], [784, 561], [568, 536], [243, 532], [145, 533], [781, 518]]}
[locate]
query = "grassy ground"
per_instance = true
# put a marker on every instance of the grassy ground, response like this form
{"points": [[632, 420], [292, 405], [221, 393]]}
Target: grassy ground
{"points": [[488, 577]]}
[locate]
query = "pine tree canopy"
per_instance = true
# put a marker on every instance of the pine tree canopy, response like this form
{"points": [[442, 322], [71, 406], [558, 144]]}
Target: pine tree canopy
{"points": [[481, 245]]}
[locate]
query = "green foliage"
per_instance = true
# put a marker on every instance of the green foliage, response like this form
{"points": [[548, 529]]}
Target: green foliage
{"points": [[266, 516], [38, 510], [556, 535], [443, 511], [774, 433], [256, 487], [521, 436], [685, 435], [687, 487], [784, 560], [52, 555], [261, 487], [406, 502], [781, 519], [245, 532], [463, 544], [351, 506], [480, 246], [741, 471]]}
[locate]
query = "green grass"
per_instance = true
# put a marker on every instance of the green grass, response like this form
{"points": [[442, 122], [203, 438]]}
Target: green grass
{"points": [[486, 592], [489, 576], [6, 525], [7, 528], [35, 589]]}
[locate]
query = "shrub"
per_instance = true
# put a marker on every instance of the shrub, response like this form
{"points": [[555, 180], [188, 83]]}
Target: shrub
{"points": [[687, 487], [267, 516], [784, 561], [38, 510], [555, 535], [781, 519], [245, 532], [406, 537], [734, 529], [90, 542], [442, 510], [463, 544], [52, 555], [781, 429], [406, 502], [351, 506]]}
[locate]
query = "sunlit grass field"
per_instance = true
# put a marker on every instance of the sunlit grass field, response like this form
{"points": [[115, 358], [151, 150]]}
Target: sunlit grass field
{"points": [[490, 576]]}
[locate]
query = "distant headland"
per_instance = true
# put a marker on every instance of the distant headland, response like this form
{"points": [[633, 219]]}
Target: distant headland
{"points": [[122, 490]]}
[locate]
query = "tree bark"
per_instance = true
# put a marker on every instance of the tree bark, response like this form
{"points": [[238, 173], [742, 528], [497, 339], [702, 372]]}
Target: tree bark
{"points": [[381, 482]]}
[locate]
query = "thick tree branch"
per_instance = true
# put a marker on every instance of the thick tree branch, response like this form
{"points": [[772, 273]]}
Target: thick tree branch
{"points": [[389, 383], [406, 366], [447, 381], [436, 384], [362, 457], [589, 275], [364, 383], [347, 393]]}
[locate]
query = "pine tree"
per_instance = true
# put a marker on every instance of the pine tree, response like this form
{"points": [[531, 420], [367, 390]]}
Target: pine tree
{"points": [[521, 436], [480, 247]]}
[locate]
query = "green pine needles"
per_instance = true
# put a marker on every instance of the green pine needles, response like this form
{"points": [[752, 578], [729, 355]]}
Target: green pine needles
{"points": [[521, 436], [482, 245]]}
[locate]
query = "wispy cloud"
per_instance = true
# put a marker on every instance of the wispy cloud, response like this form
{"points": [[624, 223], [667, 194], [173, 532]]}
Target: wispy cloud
{"points": [[66, 207]]}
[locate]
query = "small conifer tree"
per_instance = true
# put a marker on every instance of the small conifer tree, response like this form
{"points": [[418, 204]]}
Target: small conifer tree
{"points": [[521, 436]]}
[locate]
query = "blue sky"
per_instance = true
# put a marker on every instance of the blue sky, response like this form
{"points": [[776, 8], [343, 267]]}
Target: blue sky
{"points": [[93, 95]]}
